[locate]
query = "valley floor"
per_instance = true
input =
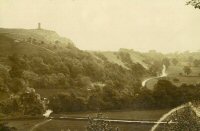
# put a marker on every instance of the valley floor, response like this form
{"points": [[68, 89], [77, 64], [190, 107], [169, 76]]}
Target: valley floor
{"points": [[80, 125]]}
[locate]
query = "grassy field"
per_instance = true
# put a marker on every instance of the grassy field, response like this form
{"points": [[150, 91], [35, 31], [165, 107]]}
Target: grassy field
{"points": [[193, 78], [174, 72], [126, 115], [23, 125], [60, 125], [57, 125]]}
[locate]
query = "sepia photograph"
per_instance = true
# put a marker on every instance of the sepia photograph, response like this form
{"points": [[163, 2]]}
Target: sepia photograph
{"points": [[99, 65]]}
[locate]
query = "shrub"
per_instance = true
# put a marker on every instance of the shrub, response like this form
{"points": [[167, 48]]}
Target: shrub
{"points": [[185, 120], [98, 123], [176, 80], [4, 127]]}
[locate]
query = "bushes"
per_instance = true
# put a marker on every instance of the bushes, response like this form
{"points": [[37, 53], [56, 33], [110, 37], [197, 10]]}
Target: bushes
{"points": [[165, 95], [185, 120], [99, 124], [31, 104], [168, 95], [4, 127], [176, 80], [67, 102], [25, 104]]}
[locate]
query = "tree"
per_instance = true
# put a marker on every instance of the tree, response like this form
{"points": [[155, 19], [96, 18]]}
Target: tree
{"points": [[165, 94], [166, 62], [39, 66], [31, 103], [16, 85], [175, 61], [195, 3], [99, 124], [4, 127], [196, 62], [18, 65], [187, 120], [187, 70], [155, 68], [190, 59], [83, 81]]}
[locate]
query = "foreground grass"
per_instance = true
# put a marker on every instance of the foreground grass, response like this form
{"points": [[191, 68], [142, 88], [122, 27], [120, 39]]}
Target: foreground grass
{"points": [[22, 125], [57, 125], [125, 115]]}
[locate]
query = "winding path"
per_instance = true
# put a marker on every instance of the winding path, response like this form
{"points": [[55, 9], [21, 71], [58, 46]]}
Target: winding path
{"points": [[40, 124], [164, 74]]}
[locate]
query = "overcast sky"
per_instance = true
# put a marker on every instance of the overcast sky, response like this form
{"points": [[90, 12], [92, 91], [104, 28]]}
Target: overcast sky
{"points": [[163, 25]]}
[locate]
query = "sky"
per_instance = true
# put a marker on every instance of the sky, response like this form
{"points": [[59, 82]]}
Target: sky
{"points": [[102, 25]]}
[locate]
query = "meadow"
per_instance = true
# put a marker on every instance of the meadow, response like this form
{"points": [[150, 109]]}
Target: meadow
{"points": [[176, 72], [80, 125]]}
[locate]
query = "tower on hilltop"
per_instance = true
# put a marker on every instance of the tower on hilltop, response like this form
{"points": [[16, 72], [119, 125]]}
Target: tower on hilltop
{"points": [[39, 26]]}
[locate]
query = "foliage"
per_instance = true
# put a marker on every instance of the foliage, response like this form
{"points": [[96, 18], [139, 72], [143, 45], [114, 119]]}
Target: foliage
{"points": [[166, 62], [78, 72], [187, 70], [165, 95], [67, 102], [196, 62], [195, 3], [26, 103], [98, 123], [155, 68], [31, 103], [125, 57], [4, 127], [185, 120], [175, 61]]}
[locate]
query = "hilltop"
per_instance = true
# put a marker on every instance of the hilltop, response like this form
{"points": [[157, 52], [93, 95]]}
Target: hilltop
{"points": [[38, 34]]}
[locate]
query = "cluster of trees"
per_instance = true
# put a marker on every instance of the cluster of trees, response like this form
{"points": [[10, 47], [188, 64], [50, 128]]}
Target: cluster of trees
{"points": [[187, 70], [4, 127], [28, 103], [174, 61], [70, 69], [165, 95], [195, 3], [76, 71], [184, 120], [196, 62], [14, 81], [99, 124]]}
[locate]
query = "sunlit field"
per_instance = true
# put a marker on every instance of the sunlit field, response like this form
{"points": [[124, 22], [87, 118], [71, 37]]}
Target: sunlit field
{"points": [[176, 72]]}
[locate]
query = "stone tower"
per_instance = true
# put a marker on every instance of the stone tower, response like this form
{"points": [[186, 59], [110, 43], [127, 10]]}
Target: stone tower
{"points": [[39, 26]]}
